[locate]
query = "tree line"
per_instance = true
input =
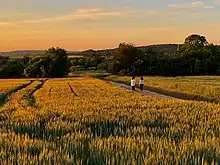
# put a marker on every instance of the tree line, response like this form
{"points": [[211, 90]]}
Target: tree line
{"points": [[194, 57], [54, 63]]}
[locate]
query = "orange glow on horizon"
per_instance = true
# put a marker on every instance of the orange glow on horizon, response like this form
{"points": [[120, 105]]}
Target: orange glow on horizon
{"points": [[101, 38]]}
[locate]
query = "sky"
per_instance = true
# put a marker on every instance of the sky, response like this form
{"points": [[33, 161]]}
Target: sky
{"points": [[100, 24]]}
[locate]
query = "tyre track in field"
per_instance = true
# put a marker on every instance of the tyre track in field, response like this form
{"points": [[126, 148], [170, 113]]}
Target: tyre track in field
{"points": [[33, 131], [71, 88], [6, 96], [26, 100], [40, 131], [5, 115], [30, 96], [50, 91]]}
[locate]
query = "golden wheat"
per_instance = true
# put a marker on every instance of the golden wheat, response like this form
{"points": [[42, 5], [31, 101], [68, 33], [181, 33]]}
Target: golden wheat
{"points": [[9, 84], [196, 88], [87, 121]]}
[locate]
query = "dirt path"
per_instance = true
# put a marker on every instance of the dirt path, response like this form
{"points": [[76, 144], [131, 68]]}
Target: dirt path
{"points": [[138, 90]]}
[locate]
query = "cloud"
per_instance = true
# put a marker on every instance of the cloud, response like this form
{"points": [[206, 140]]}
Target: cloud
{"points": [[84, 14], [214, 25], [218, 1], [39, 31], [193, 5], [103, 13], [2, 24], [79, 14], [25, 14], [94, 10]]}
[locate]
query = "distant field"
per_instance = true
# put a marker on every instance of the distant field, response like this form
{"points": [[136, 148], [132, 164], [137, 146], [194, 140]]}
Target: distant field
{"points": [[75, 56], [88, 121], [19, 57], [9, 84], [92, 73], [200, 87], [22, 56]]}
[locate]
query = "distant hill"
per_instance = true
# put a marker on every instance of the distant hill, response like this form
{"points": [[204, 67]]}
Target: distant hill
{"points": [[159, 48], [169, 48], [23, 53]]}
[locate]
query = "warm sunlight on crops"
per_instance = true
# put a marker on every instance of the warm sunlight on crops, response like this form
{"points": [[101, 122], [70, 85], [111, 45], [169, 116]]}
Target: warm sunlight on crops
{"points": [[87, 121], [197, 87], [9, 84]]}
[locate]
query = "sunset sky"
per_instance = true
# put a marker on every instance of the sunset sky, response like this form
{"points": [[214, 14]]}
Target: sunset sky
{"points": [[98, 24]]}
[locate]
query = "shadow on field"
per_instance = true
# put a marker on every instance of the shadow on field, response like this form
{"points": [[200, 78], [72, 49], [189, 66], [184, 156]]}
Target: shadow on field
{"points": [[105, 129], [180, 95], [100, 129], [39, 131], [156, 128], [88, 155], [210, 156]]}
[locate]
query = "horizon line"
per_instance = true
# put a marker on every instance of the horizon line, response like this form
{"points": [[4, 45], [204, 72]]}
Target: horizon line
{"points": [[95, 49]]}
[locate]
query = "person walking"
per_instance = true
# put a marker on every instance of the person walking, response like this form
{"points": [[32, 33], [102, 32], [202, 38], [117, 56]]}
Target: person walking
{"points": [[141, 83], [133, 83]]}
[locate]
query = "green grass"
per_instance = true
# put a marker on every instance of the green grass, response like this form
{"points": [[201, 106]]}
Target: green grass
{"points": [[96, 74]]}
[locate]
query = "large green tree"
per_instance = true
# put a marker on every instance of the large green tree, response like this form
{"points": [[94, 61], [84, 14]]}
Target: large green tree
{"points": [[195, 42], [11, 69], [128, 58], [53, 64], [59, 62]]}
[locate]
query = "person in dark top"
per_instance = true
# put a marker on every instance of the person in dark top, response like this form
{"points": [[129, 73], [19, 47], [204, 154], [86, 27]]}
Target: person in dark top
{"points": [[141, 83]]}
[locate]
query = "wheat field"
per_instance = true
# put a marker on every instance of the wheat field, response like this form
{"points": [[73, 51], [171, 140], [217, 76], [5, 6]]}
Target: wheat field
{"points": [[7, 85], [87, 121]]}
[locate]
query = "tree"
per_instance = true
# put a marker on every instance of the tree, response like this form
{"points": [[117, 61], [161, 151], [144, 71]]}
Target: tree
{"points": [[53, 64], [11, 69], [3, 60], [195, 41], [81, 61], [59, 64], [114, 67], [213, 59], [103, 65], [35, 69], [25, 60], [127, 58]]}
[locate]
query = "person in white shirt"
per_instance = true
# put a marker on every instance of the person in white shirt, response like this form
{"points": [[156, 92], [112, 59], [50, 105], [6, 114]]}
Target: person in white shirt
{"points": [[133, 83], [141, 83]]}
